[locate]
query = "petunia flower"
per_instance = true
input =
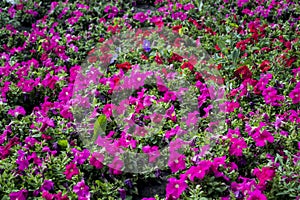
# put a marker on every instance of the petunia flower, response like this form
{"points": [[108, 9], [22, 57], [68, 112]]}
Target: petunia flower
{"points": [[176, 163], [20, 195], [237, 146], [96, 160], [116, 166], [263, 175], [71, 170], [256, 194], [146, 45], [80, 157], [175, 188], [81, 189], [140, 16], [47, 185], [198, 171], [122, 193], [22, 160], [261, 138], [19, 110]]}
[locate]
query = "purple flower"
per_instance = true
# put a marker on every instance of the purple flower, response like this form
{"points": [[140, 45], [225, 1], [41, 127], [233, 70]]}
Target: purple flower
{"points": [[22, 161], [80, 157], [81, 189], [122, 194], [65, 94], [128, 182], [47, 185], [20, 195], [237, 146], [146, 45]]}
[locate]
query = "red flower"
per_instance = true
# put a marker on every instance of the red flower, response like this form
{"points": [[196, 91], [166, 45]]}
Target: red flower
{"points": [[243, 72], [217, 47], [176, 28], [125, 66], [101, 40], [144, 57], [187, 65], [265, 66], [175, 57], [158, 59], [290, 61], [92, 59]]}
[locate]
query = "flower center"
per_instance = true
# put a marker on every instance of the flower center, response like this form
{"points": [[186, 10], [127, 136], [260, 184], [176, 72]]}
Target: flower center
{"points": [[177, 186]]}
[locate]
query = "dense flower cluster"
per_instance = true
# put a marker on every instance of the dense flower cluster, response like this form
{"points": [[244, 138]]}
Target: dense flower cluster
{"points": [[253, 154]]}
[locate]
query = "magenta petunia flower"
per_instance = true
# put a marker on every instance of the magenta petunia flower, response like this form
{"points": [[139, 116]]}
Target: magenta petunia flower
{"points": [[170, 113], [237, 146], [65, 94], [19, 110], [140, 16], [177, 162], [256, 194], [22, 160], [175, 188], [81, 189], [116, 166], [295, 94], [198, 171], [263, 175], [107, 110], [20, 195], [80, 157], [96, 160], [50, 81], [71, 170], [261, 138]]}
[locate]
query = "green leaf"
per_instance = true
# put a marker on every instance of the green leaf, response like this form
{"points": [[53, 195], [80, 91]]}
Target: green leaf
{"points": [[235, 55], [63, 143], [221, 44], [99, 126]]}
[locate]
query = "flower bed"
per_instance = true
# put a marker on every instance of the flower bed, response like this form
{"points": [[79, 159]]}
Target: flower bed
{"points": [[149, 100]]}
